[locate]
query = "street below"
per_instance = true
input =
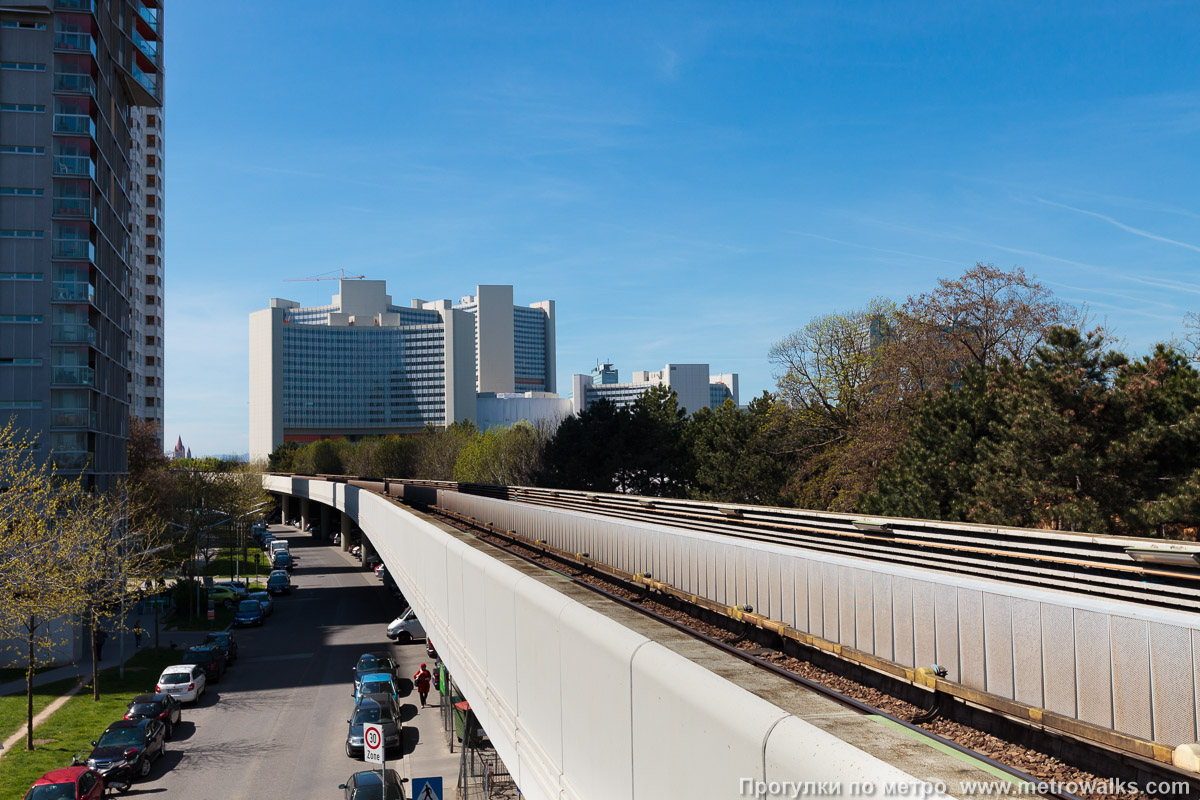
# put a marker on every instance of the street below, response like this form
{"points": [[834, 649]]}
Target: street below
{"points": [[275, 725]]}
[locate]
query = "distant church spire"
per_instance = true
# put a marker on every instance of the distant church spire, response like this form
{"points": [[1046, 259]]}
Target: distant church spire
{"points": [[179, 448]]}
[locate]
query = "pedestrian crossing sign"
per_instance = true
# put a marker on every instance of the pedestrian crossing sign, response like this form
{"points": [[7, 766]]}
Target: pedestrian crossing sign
{"points": [[427, 788]]}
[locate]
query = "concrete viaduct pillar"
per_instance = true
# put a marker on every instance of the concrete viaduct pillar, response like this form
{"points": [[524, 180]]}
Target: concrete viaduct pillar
{"points": [[367, 549], [285, 507], [326, 530], [347, 528], [304, 512]]}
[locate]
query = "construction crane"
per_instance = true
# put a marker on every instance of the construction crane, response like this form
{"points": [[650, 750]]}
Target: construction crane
{"points": [[342, 276]]}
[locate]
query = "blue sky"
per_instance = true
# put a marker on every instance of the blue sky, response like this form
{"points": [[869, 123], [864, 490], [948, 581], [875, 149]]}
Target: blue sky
{"points": [[689, 181]]}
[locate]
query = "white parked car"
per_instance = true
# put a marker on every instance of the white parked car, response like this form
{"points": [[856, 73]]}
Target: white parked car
{"points": [[406, 627], [184, 682], [280, 544]]}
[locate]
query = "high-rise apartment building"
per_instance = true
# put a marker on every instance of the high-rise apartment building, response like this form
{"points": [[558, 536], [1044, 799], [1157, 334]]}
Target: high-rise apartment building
{"points": [[72, 74], [692, 383], [146, 244], [362, 366]]}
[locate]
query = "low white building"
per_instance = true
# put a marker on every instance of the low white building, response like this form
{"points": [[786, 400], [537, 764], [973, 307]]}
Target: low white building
{"points": [[693, 384]]}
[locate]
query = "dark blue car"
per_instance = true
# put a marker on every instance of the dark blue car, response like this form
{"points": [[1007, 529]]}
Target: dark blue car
{"points": [[249, 612]]}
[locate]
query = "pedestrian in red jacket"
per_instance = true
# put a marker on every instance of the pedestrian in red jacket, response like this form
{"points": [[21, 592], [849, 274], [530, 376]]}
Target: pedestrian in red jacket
{"points": [[422, 679]]}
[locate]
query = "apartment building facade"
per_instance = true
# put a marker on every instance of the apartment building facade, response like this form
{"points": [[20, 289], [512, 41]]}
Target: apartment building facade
{"points": [[72, 74]]}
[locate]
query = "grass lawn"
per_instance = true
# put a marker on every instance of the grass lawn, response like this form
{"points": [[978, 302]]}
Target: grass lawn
{"points": [[71, 729], [222, 567], [12, 706]]}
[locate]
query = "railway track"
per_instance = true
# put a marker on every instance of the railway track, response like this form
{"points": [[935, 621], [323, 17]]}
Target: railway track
{"points": [[992, 744], [1144, 571]]}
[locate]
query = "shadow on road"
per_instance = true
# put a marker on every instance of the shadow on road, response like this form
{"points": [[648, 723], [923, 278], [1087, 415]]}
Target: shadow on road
{"points": [[408, 711], [412, 737], [182, 731]]}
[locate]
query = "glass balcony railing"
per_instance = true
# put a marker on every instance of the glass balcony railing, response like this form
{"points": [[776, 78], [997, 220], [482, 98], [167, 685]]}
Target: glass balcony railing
{"points": [[75, 376], [72, 290], [74, 165], [68, 82], [148, 48], [71, 459], [148, 82], [74, 123], [76, 5], [75, 42], [70, 418], [74, 248], [74, 334], [72, 207], [150, 16]]}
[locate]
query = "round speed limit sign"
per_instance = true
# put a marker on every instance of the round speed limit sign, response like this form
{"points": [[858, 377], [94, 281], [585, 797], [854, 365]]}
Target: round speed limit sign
{"points": [[373, 743]]}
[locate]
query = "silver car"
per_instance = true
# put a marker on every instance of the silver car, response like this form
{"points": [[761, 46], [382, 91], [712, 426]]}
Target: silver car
{"points": [[379, 711]]}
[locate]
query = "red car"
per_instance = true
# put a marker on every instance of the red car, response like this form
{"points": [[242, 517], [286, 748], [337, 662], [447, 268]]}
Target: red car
{"points": [[80, 783]]}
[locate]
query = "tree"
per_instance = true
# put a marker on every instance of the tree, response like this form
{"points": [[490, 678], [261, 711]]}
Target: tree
{"points": [[739, 456], [39, 581], [934, 471], [828, 370], [588, 450], [981, 318], [283, 457], [121, 557], [509, 456], [437, 452]]}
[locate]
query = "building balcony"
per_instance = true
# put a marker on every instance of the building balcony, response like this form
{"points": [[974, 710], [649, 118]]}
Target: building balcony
{"points": [[72, 207], [70, 418], [72, 290], [73, 376], [66, 82], [74, 334], [75, 42], [150, 17], [74, 165], [148, 82], [147, 47], [74, 248], [75, 123], [72, 459]]}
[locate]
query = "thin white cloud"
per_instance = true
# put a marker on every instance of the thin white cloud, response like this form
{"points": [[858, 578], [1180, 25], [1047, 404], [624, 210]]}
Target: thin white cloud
{"points": [[1127, 228]]}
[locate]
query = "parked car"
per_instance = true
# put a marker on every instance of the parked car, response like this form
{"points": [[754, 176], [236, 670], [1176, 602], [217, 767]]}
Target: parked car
{"points": [[226, 641], [377, 683], [370, 710], [370, 663], [184, 682], [282, 559], [266, 542], [222, 596], [162, 707], [210, 657], [368, 785], [279, 583], [249, 612], [280, 544], [430, 650], [237, 587], [264, 600], [139, 742], [69, 783], [405, 628]]}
